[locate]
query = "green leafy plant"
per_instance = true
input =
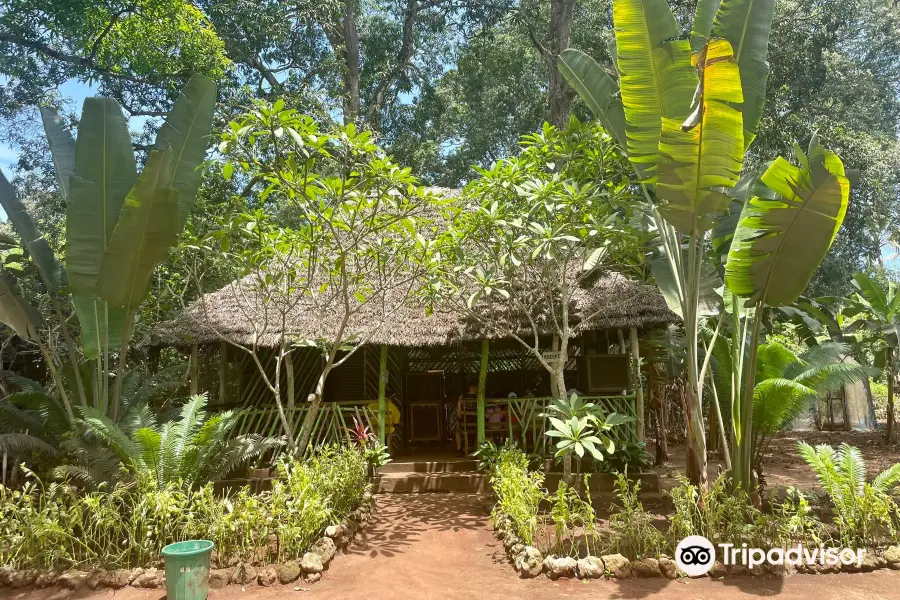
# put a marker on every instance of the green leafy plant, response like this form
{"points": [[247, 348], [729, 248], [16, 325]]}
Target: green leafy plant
{"points": [[581, 429], [631, 529], [572, 514], [119, 226], [193, 450], [519, 492], [878, 309], [865, 515], [127, 525], [628, 457]]}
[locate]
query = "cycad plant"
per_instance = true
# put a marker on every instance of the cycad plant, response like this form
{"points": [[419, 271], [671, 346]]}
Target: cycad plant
{"points": [[33, 419], [864, 513], [191, 450], [787, 384]]}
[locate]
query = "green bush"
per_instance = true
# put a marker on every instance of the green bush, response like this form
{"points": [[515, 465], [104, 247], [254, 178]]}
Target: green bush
{"points": [[631, 529], [519, 492], [127, 526], [865, 515]]}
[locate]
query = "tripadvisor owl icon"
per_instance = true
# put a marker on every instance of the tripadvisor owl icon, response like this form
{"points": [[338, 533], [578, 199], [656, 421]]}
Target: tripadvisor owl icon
{"points": [[695, 555]]}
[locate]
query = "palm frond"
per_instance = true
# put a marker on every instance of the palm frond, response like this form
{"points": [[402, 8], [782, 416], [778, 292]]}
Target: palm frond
{"points": [[888, 479], [24, 383], [13, 418], [21, 443], [109, 432], [239, 451], [777, 402], [852, 466]]}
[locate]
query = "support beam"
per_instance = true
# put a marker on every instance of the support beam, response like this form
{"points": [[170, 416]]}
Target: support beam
{"points": [[223, 366], [638, 385], [382, 386], [195, 369], [482, 380]]}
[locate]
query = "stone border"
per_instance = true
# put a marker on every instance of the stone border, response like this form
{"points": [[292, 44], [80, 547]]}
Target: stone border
{"points": [[310, 566], [529, 563]]}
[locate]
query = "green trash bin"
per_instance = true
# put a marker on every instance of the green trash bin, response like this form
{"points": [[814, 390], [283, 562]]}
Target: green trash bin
{"points": [[187, 569]]}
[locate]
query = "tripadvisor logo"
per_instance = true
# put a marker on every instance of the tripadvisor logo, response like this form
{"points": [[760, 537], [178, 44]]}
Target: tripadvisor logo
{"points": [[695, 555]]}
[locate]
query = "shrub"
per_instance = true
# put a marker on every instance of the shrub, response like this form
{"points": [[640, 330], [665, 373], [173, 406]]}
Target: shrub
{"points": [[864, 513], [519, 492], [715, 512], [127, 526], [631, 529]]}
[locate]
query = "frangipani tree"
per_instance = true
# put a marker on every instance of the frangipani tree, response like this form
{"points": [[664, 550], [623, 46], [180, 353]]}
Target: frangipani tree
{"points": [[340, 241], [119, 226], [685, 111], [531, 233]]}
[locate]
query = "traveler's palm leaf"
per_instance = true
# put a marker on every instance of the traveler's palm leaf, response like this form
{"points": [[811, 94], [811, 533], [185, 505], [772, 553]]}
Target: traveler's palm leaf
{"points": [[656, 80], [779, 243], [703, 154]]}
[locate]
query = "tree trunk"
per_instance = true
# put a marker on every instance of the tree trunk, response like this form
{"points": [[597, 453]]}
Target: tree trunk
{"points": [[315, 402], [560, 94], [351, 55], [890, 396]]}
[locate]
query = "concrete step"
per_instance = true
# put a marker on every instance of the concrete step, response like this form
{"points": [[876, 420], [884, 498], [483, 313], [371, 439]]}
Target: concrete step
{"points": [[415, 483], [460, 465]]}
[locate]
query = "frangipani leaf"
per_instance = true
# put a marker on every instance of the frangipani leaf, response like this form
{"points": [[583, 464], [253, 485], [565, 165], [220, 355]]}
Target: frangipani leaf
{"points": [[779, 243], [597, 89], [148, 228], [104, 174], [657, 80], [703, 154]]}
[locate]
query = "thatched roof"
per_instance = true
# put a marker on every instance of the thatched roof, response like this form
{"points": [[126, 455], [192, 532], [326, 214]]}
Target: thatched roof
{"points": [[616, 302], [238, 313]]}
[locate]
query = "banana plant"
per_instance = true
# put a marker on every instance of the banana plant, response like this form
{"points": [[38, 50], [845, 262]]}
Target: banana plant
{"points": [[879, 310], [119, 225], [684, 112], [777, 246]]}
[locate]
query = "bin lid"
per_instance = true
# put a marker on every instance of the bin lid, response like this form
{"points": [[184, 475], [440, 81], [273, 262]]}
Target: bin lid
{"points": [[188, 548]]}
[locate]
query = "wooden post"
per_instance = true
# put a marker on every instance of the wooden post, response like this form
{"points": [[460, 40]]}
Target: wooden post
{"points": [[482, 380], [195, 369], [638, 386], [382, 386], [622, 348], [889, 434], [223, 366]]}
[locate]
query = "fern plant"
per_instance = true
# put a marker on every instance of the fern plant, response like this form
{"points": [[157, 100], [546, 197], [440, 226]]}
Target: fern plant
{"points": [[865, 515], [191, 450]]}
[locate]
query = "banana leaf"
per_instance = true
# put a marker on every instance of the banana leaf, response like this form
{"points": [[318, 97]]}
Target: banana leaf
{"points": [[41, 254], [779, 243], [104, 174], [148, 228], [62, 149], [186, 133], [704, 153], [657, 79], [15, 311], [747, 24], [98, 320], [597, 89]]}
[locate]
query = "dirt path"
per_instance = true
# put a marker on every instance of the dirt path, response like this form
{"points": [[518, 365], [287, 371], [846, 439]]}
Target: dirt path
{"points": [[433, 546]]}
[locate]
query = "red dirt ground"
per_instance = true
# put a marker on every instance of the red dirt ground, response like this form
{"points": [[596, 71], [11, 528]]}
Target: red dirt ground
{"points": [[433, 546]]}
